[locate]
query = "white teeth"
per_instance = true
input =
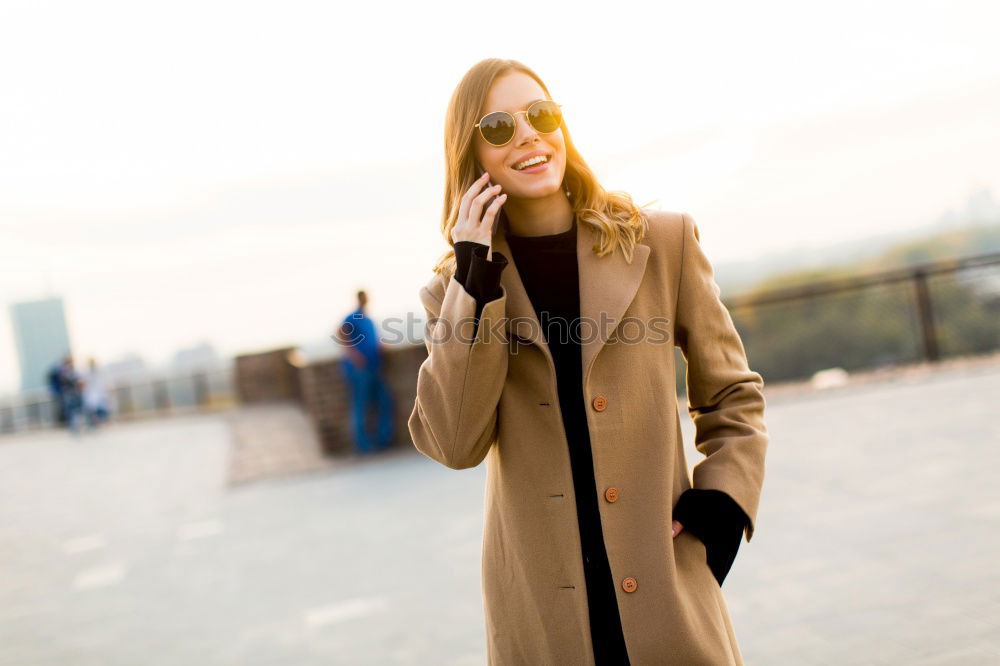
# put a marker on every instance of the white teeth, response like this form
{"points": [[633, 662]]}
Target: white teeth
{"points": [[533, 161]]}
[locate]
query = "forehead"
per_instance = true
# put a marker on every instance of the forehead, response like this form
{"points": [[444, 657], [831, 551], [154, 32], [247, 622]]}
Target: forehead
{"points": [[512, 92]]}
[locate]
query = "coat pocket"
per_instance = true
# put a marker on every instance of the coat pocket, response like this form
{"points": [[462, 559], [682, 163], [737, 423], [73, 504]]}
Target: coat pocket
{"points": [[700, 553]]}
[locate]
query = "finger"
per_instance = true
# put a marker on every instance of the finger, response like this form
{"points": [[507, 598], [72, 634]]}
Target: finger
{"points": [[476, 209], [483, 197], [677, 528], [491, 212], [463, 208]]}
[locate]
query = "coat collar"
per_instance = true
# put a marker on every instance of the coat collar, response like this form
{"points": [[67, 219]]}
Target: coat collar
{"points": [[607, 286]]}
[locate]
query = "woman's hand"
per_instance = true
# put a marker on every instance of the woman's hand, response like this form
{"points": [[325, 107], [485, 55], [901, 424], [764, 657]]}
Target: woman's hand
{"points": [[677, 528], [475, 224]]}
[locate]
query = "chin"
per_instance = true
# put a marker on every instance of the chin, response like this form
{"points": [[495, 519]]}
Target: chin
{"points": [[538, 190]]}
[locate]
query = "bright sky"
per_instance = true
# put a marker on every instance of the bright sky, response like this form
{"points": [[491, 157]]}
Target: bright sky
{"points": [[233, 172]]}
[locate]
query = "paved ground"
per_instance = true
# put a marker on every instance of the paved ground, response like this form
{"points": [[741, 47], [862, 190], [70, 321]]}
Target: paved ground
{"points": [[273, 440], [877, 543]]}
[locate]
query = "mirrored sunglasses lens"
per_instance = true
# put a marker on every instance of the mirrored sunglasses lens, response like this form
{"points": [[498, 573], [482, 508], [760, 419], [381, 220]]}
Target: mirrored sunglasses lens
{"points": [[545, 116], [497, 128]]}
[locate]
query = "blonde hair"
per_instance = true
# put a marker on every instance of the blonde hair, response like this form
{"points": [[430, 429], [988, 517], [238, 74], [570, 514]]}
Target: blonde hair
{"points": [[620, 224]]}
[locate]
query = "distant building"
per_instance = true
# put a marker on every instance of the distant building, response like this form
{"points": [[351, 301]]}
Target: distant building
{"points": [[198, 357], [126, 366], [41, 337]]}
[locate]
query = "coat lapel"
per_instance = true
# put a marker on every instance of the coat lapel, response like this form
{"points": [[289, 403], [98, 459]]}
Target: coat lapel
{"points": [[608, 285]]}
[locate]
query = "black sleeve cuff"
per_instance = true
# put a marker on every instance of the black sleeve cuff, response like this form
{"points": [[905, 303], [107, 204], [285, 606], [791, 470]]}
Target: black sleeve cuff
{"points": [[481, 278], [484, 276], [718, 521], [463, 260]]}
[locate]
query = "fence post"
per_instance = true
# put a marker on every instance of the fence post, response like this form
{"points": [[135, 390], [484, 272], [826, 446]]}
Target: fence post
{"points": [[926, 314], [125, 404], [161, 395], [6, 419], [200, 389], [33, 412]]}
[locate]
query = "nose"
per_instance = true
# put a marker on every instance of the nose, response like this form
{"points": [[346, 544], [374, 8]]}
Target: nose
{"points": [[524, 132]]}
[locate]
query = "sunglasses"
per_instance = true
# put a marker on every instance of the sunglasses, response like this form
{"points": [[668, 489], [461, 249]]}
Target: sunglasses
{"points": [[498, 128]]}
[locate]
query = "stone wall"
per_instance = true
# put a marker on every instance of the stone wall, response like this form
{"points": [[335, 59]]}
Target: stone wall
{"points": [[267, 376], [324, 393]]}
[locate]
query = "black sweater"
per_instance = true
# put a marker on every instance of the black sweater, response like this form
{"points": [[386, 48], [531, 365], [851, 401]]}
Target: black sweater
{"points": [[548, 268]]}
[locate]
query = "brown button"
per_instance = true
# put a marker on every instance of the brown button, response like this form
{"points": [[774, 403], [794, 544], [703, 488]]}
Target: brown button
{"points": [[600, 402], [629, 584], [611, 494]]}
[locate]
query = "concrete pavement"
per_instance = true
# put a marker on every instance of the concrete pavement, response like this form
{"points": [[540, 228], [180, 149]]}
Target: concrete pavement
{"points": [[876, 543]]}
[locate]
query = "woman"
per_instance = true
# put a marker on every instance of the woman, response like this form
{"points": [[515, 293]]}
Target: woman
{"points": [[96, 403], [550, 355]]}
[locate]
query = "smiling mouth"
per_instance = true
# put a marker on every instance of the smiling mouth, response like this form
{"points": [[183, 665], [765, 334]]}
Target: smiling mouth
{"points": [[534, 161]]}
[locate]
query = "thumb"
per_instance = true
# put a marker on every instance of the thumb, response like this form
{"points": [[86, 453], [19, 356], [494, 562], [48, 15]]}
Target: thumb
{"points": [[677, 528]]}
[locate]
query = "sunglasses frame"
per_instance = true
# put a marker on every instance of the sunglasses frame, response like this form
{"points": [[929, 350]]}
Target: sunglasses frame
{"points": [[513, 118]]}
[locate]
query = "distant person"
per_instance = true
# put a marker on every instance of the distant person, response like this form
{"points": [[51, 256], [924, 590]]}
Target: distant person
{"points": [[72, 394], [362, 368], [54, 380], [96, 407]]}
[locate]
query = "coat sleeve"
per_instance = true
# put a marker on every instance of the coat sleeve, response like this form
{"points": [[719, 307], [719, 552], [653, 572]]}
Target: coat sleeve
{"points": [[725, 398], [455, 415]]}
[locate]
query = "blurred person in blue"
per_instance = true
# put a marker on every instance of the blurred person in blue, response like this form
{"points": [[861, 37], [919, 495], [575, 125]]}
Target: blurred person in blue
{"points": [[71, 389], [362, 368], [54, 379], [96, 407]]}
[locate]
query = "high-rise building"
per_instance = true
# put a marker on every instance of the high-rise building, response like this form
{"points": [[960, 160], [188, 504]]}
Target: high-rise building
{"points": [[42, 338]]}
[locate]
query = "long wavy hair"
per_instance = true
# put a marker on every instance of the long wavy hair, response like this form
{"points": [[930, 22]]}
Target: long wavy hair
{"points": [[619, 223]]}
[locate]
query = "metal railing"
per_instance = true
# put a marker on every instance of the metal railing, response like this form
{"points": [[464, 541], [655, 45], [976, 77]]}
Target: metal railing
{"points": [[132, 398], [923, 312]]}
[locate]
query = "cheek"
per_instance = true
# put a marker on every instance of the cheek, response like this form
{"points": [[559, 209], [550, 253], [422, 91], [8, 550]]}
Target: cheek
{"points": [[492, 160], [486, 155], [560, 143], [496, 163]]}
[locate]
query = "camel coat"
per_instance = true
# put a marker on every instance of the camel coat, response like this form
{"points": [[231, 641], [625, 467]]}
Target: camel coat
{"points": [[495, 398]]}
